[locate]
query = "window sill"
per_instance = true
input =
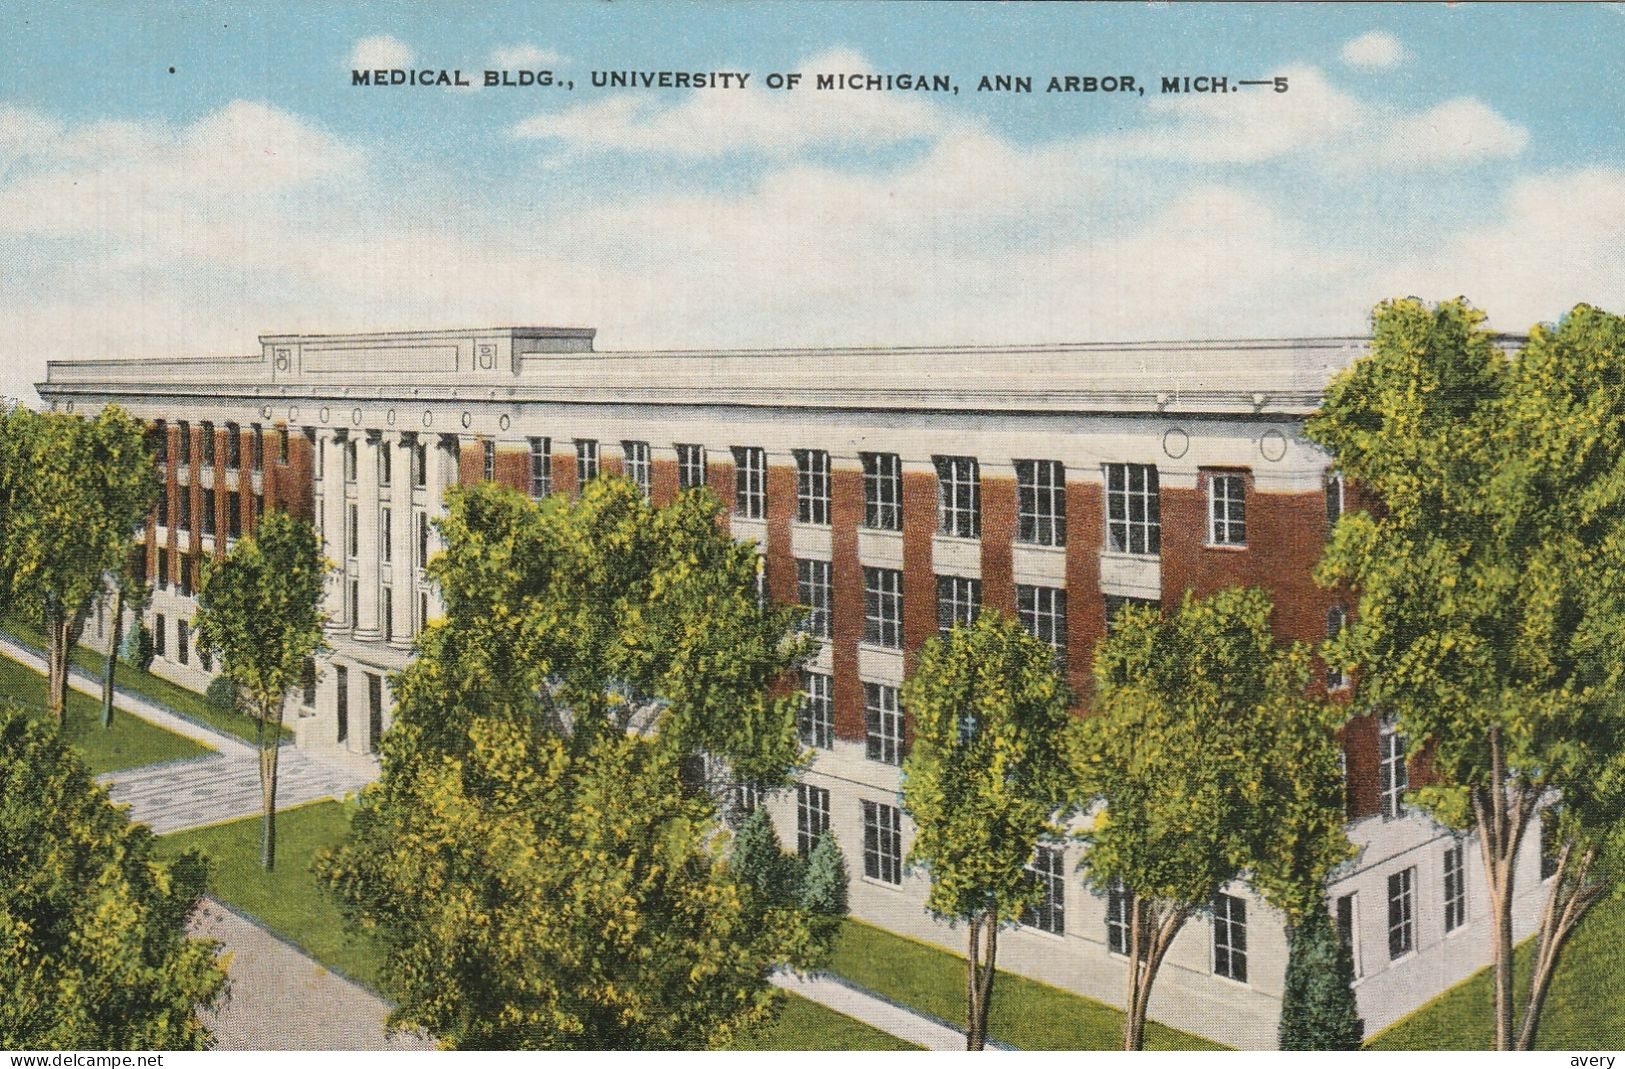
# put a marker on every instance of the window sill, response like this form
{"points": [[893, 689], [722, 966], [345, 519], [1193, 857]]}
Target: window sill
{"points": [[1226, 547], [876, 881]]}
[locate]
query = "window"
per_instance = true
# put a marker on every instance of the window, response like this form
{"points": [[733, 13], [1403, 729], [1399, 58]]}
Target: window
{"points": [[282, 443], [183, 639], [1455, 888], [256, 453], [817, 719], [1116, 604], [812, 486], [750, 482], [386, 462], [586, 460], [423, 539], [1346, 911], [342, 707], [958, 601], [959, 497], [1117, 919], [1133, 523], [1041, 502], [488, 459], [163, 503], [384, 539], [636, 457], [307, 683], [420, 465], [353, 530], [883, 607], [1230, 937], [1334, 499], [742, 800], [350, 447], [1392, 777], [354, 608], [317, 453], [813, 590], [185, 517], [883, 724], [258, 507], [882, 843], [206, 447], [234, 446], [1042, 611], [160, 442], [690, 466], [386, 612], [159, 635], [1226, 509], [234, 514], [183, 439], [208, 513], [1401, 913], [882, 491], [187, 565], [1336, 617], [163, 569], [541, 468], [812, 816], [1045, 869], [423, 610]]}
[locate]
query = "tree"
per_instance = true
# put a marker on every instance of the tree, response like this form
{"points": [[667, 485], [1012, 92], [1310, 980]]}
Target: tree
{"points": [[983, 782], [759, 861], [1208, 762], [537, 857], [93, 946], [1318, 1010], [1491, 586], [259, 611], [824, 884], [76, 490], [130, 592]]}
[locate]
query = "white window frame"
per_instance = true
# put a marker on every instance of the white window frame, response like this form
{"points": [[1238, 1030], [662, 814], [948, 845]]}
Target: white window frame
{"points": [[882, 491], [1401, 913], [815, 590], [750, 482], [1336, 619], [883, 724], [1226, 508], [690, 465], [959, 497], [1041, 611], [1048, 869], [1230, 937], [541, 467], [882, 842], [959, 601], [586, 461], [635, 457], [1041, 502], [812, 816], [883, 607], [1133, 510], [1454, 884], [1393, 778], [812, 486], [815, 720]]}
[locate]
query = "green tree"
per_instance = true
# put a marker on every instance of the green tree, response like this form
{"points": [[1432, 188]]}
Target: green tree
{"points": [[984, 780], [759, 861], [824, 884], [537, 857], [259, 611], [129, 590], [1318, 1010], [1492, 589], [93, 946], [75, 491], [1209, 762]]}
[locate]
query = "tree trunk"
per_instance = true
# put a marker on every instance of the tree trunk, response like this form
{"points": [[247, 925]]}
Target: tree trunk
{"points": [[979, 967], [57, 635], [1570, 900], [1131, 998], [270, 740], [1501, 813], [1157, 935], [112, 657]]}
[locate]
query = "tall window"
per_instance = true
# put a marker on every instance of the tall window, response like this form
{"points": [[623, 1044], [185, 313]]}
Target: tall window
{"points": [[1345, 928], [1336, 617], [420, 464], [187, 566], [183, 442], [882, 491], [234, 514], [488, 459], [586, 460], [386, 463], [317, 464], [635, 455], [882, 843], [1230, 937], [160, 640], [1334, 499], [1401, 913], [353, 531], [234, 446], [384, 539], [812, 816], [160, 442], [883, 607], [163, 569], [817, 719], [813, 590], [690, 466], [182, 642], [883, 724], [208, 513], [1118, 928], [206, 447], [541, 468], [958, 601], [386, 612], [163, 502], [184, 500], [349, 460], [1046, 870], [282, 442], [423, 539], [959, 497], [750, 481], [812, 486], [341, 680], [1042, 611], [1041, 502], [1392, 776], [1226, 509], [1133, 515], [257, 448], [1455, 888], [307, 683]]}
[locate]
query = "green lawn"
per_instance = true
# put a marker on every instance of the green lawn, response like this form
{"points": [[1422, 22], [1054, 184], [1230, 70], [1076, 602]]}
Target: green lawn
{"points": [[1585, 1009], [188, 703], [127, 744], [1026, 1014], [805, 1025]]}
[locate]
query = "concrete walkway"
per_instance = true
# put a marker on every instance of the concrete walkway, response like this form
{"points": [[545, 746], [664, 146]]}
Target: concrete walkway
{"points": [[877, 1012]]}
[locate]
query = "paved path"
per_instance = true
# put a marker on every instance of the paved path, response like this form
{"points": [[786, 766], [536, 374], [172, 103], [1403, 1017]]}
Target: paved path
{"points": [[877, 1012]]}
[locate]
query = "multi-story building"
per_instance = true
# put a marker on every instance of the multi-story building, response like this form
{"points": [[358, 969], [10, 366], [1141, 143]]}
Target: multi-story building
{"points": [[894, 491]]}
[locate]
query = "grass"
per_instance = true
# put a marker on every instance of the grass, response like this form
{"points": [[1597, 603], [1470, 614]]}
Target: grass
{"points": [[129, 743], [1585, 1009], [139, 681], [1026, 1013], [806, 1025]]}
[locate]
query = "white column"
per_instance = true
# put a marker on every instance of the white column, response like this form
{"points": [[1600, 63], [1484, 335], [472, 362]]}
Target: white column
{"points": [[402, 575], [333, 534], [366, 499], [436, 479]]}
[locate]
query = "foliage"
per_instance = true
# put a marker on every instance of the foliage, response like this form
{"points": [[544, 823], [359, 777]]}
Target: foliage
{"points": [[759, 861], [983, 782], [1318, 1010], [222, 695], [1492, 585], [824, 884], [260, 612], [136, 649], [93, 946], [74, 492], [1203, 722]]}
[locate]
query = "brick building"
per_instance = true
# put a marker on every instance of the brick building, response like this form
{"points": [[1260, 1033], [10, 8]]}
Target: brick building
{"points": [[894, 491]]}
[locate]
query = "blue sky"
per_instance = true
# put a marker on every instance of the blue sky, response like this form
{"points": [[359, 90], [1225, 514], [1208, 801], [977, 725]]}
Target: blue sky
{"points": [[1421, 149]]}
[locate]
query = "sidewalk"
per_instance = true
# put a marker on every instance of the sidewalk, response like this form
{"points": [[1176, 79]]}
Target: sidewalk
{"points": [[834, 993]]}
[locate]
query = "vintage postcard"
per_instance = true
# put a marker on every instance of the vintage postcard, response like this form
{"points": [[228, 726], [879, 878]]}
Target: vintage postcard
{"points": [[854, 526]]}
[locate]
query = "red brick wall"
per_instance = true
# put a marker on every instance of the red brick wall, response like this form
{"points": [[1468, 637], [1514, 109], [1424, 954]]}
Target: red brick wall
{"points": [[919, 580], [564, 474], [1360, 749], [998, 531], [846, 578], [781, 510], [512, 467], [719, 476], [662, 481], [1085, 608], [291, 486]]}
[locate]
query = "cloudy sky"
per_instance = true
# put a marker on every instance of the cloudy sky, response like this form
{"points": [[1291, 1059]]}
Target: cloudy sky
{"points": [[178, 183]]}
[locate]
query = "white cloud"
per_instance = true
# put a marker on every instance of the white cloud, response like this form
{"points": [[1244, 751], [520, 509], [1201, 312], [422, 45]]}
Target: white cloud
{"points": [[523, 57], [380, 52], [1460, 131], [1376, 50]]}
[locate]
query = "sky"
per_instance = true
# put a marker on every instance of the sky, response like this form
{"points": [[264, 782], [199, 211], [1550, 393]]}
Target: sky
{"points": [[180, 180]]}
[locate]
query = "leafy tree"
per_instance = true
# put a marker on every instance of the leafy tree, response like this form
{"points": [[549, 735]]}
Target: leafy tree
{"points": [[760, 862], [93, 946], [260, 611], [75, 491], [1492, 589], [986, 775], [533, 858], [824, 884], [1210, 763], [1318, 1010]]}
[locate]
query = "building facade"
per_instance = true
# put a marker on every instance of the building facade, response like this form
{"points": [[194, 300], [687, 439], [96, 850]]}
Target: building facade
{"points": [[894, 491]]}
